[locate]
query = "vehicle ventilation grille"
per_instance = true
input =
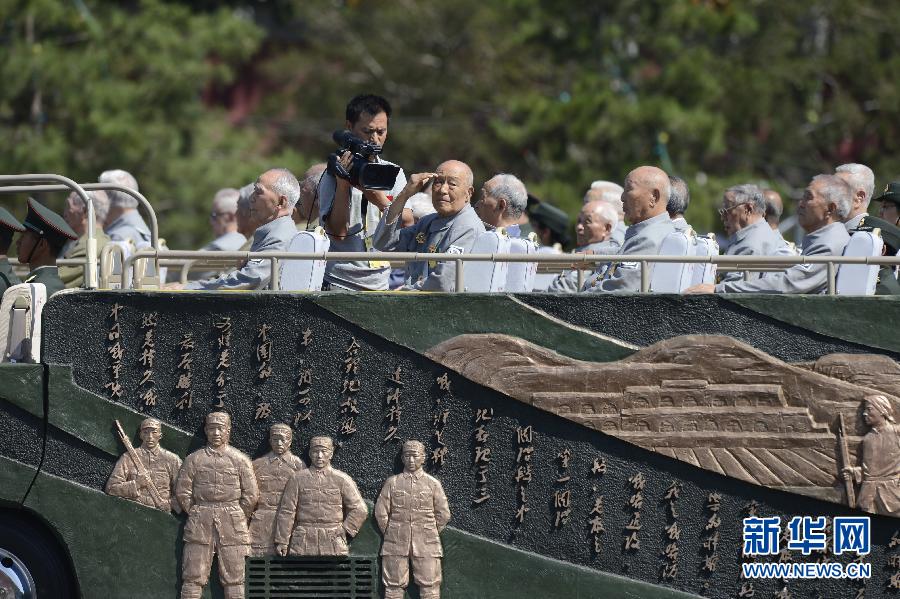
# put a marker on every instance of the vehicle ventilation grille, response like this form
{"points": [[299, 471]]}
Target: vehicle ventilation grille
{"points": [[321, 577]]}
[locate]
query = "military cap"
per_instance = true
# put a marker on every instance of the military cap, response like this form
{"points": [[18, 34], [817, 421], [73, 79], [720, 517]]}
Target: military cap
{"points": [[321, 442], [891, 193], [45, 223], [218, 418], [8, 221], [416, 446], [150, 423], [881, 403], [280, 426], [890, 232], [551, 217]]}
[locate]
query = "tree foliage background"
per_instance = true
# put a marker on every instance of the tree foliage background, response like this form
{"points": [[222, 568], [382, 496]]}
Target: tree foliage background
{"points": [[194, 96]]}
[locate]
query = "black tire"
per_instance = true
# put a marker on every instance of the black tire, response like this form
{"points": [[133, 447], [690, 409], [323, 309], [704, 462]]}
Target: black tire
{"points": [[40, 553]]}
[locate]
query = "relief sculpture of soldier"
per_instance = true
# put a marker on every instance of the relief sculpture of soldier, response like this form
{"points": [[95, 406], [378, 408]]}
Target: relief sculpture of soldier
{"points": [[217, 489], [272, 473], [879, 470], [411, 511], [320, 507], [158, 467]]}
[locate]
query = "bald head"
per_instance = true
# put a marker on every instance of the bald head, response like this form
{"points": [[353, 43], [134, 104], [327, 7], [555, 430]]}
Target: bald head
{"points": [[774, 207], [452, 187], [646, 194]]}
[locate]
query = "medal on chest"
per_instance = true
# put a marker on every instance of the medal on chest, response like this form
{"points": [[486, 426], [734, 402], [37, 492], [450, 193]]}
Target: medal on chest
{"points": [[420, 237], [431, 250]]}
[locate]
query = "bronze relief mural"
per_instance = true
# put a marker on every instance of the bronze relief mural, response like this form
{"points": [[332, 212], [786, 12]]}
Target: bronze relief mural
{"points": [[710, 401]]}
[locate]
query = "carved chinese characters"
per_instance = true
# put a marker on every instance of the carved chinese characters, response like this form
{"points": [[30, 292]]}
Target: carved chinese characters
{"points": [[146, 386], [349, 406], [710, 534], [272, 473], [595, 518], [392, 405], [672, 533], [223, 359], [217, 489], [116, 352], [562, 498], [146, 474], [264, 368], [524, 470], [411, 511], [184, 371], [635, 503], [481, 458], [321, 506], [439, 422], [304, 413]]}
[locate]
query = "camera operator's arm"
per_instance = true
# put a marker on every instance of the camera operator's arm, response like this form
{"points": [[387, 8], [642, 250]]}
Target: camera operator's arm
{"points": [[337, 221], [377, 198]]}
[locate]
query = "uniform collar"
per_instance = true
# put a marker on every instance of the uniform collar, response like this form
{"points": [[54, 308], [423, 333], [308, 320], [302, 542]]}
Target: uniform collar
{"points": [[153, 452], [638, 227], [414, 475], [274, 457], [322, 472], [742, 233], [211, 451]]}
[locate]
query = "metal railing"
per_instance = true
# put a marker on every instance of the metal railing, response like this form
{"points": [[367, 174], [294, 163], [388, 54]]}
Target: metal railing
{"points": [[574, 261], [66, 184]]}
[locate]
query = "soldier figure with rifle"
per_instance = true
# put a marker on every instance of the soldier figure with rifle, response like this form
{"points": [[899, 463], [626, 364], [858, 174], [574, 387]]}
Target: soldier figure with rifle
{"points": [[146, 474]]}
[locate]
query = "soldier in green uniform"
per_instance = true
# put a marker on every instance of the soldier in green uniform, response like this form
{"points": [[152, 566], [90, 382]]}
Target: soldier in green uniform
{"points": [[45, 234], [890, 234], [8, 226], [890, 203]]}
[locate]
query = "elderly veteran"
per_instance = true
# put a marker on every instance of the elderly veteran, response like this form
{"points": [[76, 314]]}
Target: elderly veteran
{"points": [[306, 212], [593, 231], [821, 212], [861, 180], [275, 194], [890, 233], [76, 215], [611, 193], [644, 202], [679, 198], [890, 203], [8, 227], [503, 200], [451, 229], [223, 222], [45, 235], [743, 216], [124, 223]]}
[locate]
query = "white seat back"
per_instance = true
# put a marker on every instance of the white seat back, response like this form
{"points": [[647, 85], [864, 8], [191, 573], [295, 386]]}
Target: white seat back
{"points": [[542, 281], [674, 277], [520, 275], [860, 279], [488, 277], [705, 272], [305, 275], [118, 280], [20, 323]]}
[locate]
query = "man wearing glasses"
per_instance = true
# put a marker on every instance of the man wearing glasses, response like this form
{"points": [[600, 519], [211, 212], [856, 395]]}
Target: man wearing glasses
{"points": [[223, 221], [743, 214]]}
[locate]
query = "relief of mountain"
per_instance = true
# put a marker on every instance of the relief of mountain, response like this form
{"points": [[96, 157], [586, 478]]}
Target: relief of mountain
{"points": [[711, 401]]}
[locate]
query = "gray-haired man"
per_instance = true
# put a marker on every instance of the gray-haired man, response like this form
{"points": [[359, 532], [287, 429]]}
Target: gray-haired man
{"points": [[861, 180], [76, 216], [611, 193], [679, 198], [593, 231], [503, 200], [223, 221], [124, 223], [743, 215], [825, 204], [275, 194]]}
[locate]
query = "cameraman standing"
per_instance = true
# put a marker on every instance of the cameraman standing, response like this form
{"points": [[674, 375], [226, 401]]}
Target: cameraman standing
{"points": [[349, 214]]}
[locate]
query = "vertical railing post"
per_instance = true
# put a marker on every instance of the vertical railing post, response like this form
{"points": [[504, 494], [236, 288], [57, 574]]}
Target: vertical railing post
{"points": [[831, 277], [460, 276], [645, 277], [275, 283]]}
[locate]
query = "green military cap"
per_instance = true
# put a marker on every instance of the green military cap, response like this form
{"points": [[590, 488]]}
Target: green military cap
{"points": [[551, 217], [891, 193], [47, 224], [890, 232], [8, 221]]}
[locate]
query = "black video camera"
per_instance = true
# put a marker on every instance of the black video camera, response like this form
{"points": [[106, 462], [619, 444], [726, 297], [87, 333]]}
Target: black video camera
{"points": [[362, 173]]}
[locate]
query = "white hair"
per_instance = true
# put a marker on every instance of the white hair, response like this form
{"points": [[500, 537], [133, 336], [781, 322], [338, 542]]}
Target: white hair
{"points": [[748, 194], [286, 185], [608, 192], [859, 177], [125, 179], [679, 196], [605, 211], [836, 190], [511, 189], [100, 200], [226, 200]]}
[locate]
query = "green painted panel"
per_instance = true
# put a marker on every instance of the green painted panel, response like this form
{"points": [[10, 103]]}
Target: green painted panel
{"points": [[420, 321], [476, 567], [869, 321], [14, 479], [22, 386], [89, 417]]}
